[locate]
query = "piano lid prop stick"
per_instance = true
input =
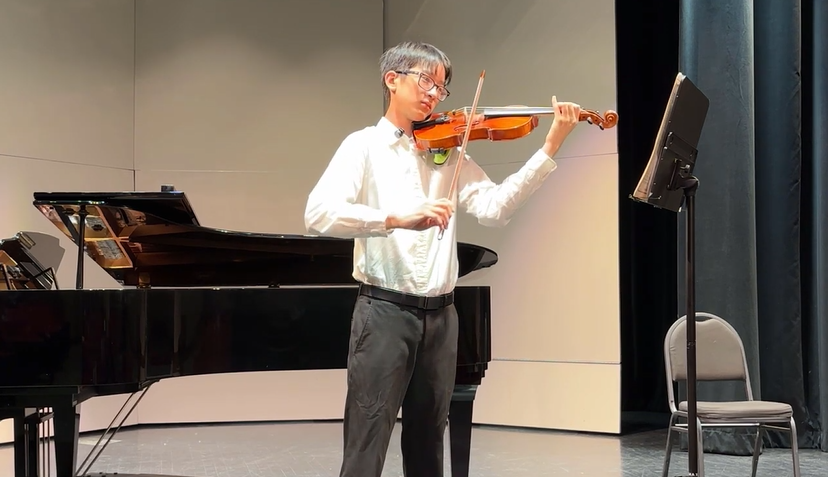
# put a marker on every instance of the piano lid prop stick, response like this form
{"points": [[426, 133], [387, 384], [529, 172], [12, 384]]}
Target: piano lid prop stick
{"points": [[82, 213], [461, 157]]}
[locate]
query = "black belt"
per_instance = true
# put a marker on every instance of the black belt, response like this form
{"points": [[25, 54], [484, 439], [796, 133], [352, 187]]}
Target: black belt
{"points": [[405, 299]]}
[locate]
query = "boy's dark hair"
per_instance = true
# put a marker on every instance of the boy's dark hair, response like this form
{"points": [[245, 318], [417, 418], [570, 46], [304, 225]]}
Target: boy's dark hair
{"points": [[410, 54]]}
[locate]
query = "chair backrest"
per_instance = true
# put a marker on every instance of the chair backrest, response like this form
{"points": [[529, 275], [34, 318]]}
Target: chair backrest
{"points": [[720, 354]]}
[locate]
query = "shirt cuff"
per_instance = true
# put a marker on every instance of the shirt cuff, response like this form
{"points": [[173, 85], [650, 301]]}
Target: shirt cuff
{"points": [[541, 165], [375, 223]]}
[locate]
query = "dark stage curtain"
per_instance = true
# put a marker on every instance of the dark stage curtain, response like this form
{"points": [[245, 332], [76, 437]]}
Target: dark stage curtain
{"points": [[647, 61], [716, 53], [815, 217], [778, 52], [762, 203]]}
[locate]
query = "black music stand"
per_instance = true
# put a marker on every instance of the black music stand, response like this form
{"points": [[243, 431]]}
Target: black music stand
{"points": [[668, 183]]}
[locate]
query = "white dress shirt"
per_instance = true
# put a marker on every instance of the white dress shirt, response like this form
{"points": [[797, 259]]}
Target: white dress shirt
{"points": [[374, 173]]}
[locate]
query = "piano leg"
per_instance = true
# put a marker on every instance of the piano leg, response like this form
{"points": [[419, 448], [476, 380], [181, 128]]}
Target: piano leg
{"points": [[32, 456], [460, 428], [26, 422], [67, 425], [28, 442]]}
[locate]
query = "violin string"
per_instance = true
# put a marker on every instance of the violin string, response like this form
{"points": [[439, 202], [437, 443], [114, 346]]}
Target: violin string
{"points": [[507, 109]]}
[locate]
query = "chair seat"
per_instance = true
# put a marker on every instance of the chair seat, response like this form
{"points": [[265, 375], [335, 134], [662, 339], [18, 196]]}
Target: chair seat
{"points": [[764, 410]]}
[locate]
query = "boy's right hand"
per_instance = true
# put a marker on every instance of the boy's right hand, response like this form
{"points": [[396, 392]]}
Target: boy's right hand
{"points": [[433, 213]]}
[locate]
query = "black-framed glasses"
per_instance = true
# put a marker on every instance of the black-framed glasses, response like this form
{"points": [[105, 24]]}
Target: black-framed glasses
{"points": [[426, 82]]}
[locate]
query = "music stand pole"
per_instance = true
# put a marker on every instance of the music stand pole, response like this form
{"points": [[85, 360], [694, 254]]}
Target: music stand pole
{"points": [[689, 184]]}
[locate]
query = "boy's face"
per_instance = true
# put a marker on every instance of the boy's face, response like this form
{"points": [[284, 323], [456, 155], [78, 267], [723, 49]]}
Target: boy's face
{"points": [[417, 91]]}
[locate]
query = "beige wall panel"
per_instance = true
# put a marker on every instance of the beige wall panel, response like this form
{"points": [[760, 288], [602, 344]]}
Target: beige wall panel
{"points": [[555, 286], [66, 86], [238, 200], [249, 85], [265, 396], [568, 396]]}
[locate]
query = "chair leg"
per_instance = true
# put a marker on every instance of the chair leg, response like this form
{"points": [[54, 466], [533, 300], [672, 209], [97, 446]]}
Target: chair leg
{"points": [[701, 446], [669, 451], [757, 446], [794, 448]]}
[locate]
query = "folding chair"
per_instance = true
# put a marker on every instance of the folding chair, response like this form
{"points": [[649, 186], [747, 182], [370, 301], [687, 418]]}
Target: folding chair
{"points": [[720, 357]]}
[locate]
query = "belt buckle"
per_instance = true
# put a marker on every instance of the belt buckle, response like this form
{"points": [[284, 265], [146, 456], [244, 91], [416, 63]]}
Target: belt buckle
{"points": [[422, 302]]}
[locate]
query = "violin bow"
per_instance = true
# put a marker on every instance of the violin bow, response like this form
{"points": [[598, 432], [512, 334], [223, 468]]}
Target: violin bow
{"points": [[462, 157]]}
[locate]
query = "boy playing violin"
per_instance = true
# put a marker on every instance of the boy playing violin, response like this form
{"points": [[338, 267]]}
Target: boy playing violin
{"points": [[391, 198]]}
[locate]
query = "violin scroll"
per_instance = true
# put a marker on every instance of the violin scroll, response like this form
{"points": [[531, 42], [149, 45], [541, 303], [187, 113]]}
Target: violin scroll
{"points": [[608, 120]]}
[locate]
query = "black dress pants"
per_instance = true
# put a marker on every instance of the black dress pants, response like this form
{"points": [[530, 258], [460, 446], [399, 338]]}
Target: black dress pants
{"points": [[405, 357]]}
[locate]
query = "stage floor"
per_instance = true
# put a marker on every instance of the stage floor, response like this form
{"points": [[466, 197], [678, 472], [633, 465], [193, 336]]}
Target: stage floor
{"points": [[313, 449]]}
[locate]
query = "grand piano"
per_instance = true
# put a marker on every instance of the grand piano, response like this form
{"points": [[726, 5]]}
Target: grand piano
{"points": [[195, 301]]}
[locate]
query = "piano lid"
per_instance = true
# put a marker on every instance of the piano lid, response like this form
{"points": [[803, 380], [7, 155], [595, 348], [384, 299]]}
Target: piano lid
{"points": [[154, 239], [19, 268], [170, 206]]}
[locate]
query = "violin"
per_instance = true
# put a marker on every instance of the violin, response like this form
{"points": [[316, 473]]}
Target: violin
{"points": [[445, 130]]}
